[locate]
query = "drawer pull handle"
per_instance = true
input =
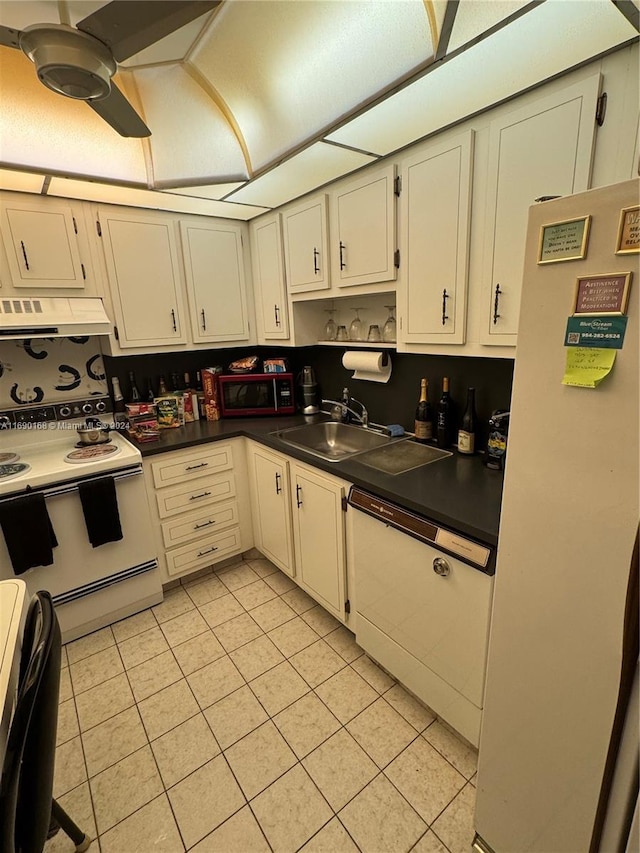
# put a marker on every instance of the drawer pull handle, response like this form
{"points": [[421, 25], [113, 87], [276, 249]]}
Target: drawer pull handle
{"points": [[204, 524], [441, 567], [298, 493], [208, 551], [195, 467], [202, 495]]}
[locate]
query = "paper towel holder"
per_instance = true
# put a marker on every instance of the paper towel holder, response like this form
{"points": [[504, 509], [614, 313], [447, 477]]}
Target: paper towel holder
{"points": [[368, 366]]}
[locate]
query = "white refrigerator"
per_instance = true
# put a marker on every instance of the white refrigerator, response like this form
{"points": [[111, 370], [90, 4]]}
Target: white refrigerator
{"points": [[551, 776]]}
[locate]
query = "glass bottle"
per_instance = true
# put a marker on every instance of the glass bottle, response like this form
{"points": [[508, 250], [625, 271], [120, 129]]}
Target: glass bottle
{"points": [[118, 399], [423, 428], [444, 416], [162, 387], [467, 432], [134, 394]]}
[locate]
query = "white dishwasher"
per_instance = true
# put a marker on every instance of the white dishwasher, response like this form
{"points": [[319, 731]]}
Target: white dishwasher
{"points": [[420, 611]]}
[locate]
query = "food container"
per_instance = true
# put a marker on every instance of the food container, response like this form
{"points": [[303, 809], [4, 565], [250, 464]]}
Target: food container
{"points": [[93, 432]]}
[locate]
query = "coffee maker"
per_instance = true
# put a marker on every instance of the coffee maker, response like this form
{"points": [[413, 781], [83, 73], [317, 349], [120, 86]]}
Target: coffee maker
{"points": [[309, 392]]}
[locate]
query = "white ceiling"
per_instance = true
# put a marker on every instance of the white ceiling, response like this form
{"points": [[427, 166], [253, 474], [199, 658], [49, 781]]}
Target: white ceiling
{"points": [[240, 101]]}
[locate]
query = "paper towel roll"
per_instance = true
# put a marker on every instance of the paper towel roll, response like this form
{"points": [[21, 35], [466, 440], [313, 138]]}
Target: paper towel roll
{"points": [[373, 366]]}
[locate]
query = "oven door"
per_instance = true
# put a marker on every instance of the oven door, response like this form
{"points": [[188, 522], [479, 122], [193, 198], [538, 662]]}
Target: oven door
{"points": [[92, 587]]}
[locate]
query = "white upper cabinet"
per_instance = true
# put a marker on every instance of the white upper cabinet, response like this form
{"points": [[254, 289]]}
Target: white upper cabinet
{"points": [[543, 149], [214, 269], [268, 277], [435, 206], [143, 267], [363, 229], [40, 240], [306, 246]]}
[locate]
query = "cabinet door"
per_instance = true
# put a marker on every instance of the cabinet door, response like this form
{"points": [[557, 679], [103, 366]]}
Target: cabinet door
{"points": [[41, 245], [269, 278], [436, 200], [363, 229], [318, 529], [306, 249], [544, 149], [144, 273], [272, 504], [216, 287]]}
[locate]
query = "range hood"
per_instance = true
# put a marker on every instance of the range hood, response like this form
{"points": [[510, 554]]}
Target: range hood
{"points": [[55, 317]]}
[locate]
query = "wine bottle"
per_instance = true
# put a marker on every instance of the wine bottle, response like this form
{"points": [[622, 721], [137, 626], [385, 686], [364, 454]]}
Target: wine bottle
{"points": [[134, 394], [467, 432], [444, 416], [424, 416], [162, 387], [118, 399], [150, 394]]}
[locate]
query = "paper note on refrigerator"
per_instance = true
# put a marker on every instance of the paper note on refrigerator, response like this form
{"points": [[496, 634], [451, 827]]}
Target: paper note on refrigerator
{"points": [[586, 367]]}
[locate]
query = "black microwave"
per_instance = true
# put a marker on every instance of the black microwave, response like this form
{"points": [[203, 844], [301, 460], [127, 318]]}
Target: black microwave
{"points": [[251, 394]]}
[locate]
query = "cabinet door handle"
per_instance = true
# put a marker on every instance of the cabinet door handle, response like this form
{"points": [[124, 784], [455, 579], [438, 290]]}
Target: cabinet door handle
{"points": [[204, 320], [278, 486], [208, 551], [342, 249], [204, 524], [24, 254], [298, 493], [496, 302], [445, 296], [195, 467], [276, 314], [173, 320], [202, 495], [316, 266]]}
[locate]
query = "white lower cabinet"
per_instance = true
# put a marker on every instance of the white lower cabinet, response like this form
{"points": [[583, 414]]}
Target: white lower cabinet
{"points": [[319, 536], [199, 501], [271, 504], [298, 523]]}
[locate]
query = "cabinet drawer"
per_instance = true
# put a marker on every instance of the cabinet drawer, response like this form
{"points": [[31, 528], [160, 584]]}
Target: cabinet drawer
{"points": [[196, 463], [209, 550], [188, 496], [186, 528]]}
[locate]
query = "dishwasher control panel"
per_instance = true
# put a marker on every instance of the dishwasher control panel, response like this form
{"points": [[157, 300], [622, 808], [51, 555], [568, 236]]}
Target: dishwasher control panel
{"points": [[479, 556]]}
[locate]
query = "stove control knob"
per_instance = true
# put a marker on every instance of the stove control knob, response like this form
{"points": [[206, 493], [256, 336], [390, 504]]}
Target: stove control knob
{"points": [[64, 411], [101, 406], [87, 408]]}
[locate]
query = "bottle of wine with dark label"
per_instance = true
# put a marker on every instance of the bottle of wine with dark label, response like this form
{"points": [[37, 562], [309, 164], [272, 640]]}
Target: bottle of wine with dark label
{"points": [[134, 393], [424, 416], [467, 432], [444, 416]]}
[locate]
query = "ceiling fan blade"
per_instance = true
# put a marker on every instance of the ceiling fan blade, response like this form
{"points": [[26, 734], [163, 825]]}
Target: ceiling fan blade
{"points": [[9, 37], [128, 26], [118, 112]]}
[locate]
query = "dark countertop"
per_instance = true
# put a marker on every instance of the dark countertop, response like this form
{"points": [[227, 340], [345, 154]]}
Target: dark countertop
{"points": [[458, 492]]}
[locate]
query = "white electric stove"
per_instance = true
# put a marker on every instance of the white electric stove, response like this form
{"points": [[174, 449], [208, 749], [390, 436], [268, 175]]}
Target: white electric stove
{"points": [[39, 452]]}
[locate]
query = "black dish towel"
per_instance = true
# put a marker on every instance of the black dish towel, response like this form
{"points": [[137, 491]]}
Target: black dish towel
{"points": [[100, 508], [28, 532]]}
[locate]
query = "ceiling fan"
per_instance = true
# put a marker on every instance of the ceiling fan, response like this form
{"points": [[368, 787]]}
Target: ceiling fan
{"points": [[80, 62]]}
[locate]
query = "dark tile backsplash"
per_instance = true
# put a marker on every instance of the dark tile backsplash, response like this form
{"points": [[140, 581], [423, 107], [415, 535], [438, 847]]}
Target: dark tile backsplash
{"points": [[394, 402]]}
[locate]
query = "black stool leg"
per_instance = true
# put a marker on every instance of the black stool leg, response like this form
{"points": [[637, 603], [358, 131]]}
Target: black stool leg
{"points": [[59, 815]]}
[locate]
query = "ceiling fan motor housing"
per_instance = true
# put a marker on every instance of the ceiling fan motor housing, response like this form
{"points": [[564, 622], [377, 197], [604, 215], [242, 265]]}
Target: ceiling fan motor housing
{"points": [[69, 61]]}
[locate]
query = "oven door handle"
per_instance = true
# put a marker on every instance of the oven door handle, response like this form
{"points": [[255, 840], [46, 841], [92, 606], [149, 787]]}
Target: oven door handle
{"points": [[66, 488]]}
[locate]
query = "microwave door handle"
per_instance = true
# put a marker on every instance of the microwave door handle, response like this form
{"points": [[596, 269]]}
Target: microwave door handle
{"points": [[275, 395]]}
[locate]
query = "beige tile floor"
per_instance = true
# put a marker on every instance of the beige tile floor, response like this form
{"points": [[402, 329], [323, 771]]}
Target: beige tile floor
{"points": [[239, 716]]}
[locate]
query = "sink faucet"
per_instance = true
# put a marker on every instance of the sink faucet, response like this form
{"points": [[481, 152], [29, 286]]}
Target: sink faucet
{"points": [[343, 408]]}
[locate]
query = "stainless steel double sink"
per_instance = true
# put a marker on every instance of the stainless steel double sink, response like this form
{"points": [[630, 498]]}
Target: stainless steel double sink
{"points": [[334, 442]]}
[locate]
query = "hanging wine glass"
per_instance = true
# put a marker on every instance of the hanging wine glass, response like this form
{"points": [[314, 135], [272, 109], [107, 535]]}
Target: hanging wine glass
{"points": [[331, 327], [356, 329], [389, 328]]}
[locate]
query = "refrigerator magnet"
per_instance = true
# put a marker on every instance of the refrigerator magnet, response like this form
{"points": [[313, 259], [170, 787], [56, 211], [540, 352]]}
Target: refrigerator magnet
{"points": [[602, 294], [628, 241], [564, 241]]}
